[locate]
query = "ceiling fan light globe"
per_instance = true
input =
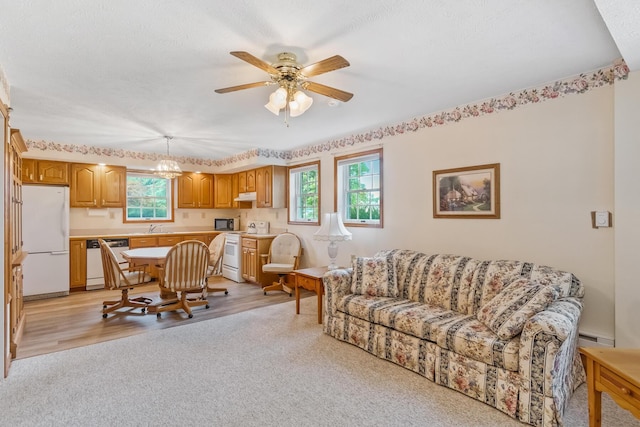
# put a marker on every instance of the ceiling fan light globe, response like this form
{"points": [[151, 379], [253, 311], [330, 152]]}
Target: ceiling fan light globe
{"points": [[273, 108], [304, 101]]}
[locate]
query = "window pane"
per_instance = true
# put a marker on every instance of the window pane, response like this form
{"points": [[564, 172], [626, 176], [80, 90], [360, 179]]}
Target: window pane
{"points": [[303, 193], [358, 188], [148, 197]]}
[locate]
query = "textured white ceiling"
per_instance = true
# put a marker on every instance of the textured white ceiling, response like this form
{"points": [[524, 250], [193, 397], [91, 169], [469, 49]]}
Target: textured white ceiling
{"points": [[121, 74]]}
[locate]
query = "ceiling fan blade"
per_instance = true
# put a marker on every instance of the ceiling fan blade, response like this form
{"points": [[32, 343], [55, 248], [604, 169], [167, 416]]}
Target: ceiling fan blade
{"points": [[241, 87], [331, 92], [246, 56], [334, 63]]}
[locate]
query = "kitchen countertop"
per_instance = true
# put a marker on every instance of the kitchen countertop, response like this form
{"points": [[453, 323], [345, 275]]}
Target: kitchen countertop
{"points": [[129, 235]]}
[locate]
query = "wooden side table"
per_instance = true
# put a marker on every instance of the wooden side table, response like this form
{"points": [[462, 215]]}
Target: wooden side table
{"points": [[615, 371], [311, 280]]}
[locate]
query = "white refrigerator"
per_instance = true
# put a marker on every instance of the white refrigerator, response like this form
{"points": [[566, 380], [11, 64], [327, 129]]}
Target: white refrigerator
{"points": [[45, 234]]}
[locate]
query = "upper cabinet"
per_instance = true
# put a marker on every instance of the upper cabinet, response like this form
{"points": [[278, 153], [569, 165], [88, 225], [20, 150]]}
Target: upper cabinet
{"points": [[222, 189], [45, 172], [95, 186], [195, 190], [270, 187], [247, 181], [226, 189]]}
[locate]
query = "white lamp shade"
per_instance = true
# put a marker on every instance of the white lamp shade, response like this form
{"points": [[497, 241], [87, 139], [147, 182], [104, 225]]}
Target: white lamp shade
{"points": [[332, 229]]}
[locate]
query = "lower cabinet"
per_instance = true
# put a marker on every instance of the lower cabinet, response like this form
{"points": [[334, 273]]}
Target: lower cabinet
{"points": [[252, 251], [77, 264]]}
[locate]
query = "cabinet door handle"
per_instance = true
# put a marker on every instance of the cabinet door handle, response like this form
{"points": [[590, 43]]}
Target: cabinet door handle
{"points": [[103, 201], [94, 202], [40, 177]]}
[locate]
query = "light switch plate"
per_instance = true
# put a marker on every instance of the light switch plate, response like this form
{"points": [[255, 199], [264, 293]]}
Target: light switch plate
{"points": [[600, 219]]}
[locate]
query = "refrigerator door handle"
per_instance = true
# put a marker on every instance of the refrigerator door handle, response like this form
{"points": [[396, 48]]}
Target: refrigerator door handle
{"points": [[65, 219], [59, 253]]}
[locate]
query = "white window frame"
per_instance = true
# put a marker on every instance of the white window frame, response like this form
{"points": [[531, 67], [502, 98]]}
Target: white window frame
{"points": [[169, 199], [295, 195], [342, 190]]}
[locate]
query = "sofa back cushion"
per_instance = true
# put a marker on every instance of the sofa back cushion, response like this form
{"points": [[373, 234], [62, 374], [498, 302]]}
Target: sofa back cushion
{"points": [[439, 280], [508, 311], [375, 277], [491, 277]]}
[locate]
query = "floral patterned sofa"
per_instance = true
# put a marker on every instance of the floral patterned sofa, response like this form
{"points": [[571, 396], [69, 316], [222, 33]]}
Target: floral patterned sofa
{"points": [[502, 332]]}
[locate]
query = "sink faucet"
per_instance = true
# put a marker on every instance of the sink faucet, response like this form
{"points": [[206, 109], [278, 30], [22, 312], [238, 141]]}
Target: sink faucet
{"points": [[152, 228]]}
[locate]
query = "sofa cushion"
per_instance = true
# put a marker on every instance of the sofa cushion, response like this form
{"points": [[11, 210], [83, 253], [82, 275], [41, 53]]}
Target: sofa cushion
{"points": [[510, 309], [469, 337], [374, 277], [449, 329]]}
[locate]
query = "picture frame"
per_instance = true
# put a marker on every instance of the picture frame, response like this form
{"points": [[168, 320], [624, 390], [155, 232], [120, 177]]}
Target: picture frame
{"points": [[467, 192]]}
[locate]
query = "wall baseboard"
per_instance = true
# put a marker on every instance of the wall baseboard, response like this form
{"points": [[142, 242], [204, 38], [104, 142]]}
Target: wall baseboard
{"points": [[586, 339]]}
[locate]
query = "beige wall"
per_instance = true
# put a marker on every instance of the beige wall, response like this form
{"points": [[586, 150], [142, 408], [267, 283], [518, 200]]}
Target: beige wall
{"points": [[556, 162], [557, 165], [627, 204]]}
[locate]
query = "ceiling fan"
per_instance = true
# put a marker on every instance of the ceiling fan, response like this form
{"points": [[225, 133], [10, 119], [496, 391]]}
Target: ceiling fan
{"points": [[291, 78]]}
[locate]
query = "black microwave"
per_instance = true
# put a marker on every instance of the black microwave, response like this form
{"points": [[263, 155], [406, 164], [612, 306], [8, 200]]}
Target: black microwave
{"points": [[226, 224]]}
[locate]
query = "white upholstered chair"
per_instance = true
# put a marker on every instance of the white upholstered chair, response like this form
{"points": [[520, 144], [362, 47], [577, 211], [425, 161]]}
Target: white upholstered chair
{"points": [[117, 276], [216, 251], [283, 258], [184, 273]]}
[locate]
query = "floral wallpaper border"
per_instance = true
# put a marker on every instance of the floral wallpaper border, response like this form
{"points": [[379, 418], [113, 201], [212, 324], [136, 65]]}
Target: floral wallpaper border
{"points": [[574, 85]]}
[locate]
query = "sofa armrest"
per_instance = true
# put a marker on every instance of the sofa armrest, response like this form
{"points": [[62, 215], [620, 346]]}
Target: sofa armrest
{"points": [[549, 363], [337, 284]]}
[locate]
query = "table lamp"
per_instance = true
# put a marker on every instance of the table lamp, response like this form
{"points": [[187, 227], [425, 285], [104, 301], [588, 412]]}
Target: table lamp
{"points": [[333, 230]]}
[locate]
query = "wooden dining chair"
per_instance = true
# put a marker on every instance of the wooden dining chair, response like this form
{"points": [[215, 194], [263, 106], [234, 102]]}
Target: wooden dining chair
{"points": [[185, 274], [216, 252], [117, 276]]}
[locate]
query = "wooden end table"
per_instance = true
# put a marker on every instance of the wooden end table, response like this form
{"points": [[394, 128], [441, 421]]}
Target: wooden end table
{"points": [[311, 280], [615, 371]]}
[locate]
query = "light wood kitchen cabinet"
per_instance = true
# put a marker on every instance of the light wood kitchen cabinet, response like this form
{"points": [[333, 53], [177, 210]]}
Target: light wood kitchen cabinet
{"points": [[143, 242], [270, 187], [167, 240], [226, 189], [252, 249], [195, 190], [222, 190], [247, 181], [36, 171], [95, 186], [14, 146], [77, 264]]}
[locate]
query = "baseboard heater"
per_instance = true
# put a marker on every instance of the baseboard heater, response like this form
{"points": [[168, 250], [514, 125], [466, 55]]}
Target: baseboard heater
{"points": [[586, 339]]}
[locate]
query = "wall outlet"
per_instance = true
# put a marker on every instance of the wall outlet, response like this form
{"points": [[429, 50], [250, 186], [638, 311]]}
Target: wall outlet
{"points": [[203, 215], [112, 215], [185, 215]]}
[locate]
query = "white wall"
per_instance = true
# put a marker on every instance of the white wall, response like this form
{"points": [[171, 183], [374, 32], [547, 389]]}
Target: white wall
{"points": [[627, 204], [556, 161]]}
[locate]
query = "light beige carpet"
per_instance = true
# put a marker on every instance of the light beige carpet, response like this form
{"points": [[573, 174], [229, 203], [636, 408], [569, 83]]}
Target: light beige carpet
{"points": [[264, 367]]}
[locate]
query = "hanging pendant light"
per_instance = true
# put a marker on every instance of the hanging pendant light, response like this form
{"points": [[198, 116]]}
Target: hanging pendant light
{"points": [[168, 168]]}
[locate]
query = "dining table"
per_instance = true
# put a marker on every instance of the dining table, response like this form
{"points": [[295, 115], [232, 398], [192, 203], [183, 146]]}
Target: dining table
{"points": [[154, 256]]}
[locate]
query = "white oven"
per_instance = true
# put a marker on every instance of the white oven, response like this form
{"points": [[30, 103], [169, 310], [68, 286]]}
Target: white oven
{"points": [[232, 258]]}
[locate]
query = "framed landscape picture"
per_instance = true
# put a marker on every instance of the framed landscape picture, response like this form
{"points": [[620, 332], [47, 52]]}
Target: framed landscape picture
{"points": [[469, 192]]}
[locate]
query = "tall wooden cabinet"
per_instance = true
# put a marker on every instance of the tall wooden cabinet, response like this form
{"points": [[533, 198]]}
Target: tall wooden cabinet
{"points": [[195, 190], [96, 186], [14, 256]]}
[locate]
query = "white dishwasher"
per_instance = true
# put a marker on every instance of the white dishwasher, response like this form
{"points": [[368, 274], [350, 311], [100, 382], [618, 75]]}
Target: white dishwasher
{"points": [[95, 274]]}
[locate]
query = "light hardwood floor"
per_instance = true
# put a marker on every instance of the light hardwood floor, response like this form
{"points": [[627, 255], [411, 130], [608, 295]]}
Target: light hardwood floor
{"points": [[57, 324]]}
